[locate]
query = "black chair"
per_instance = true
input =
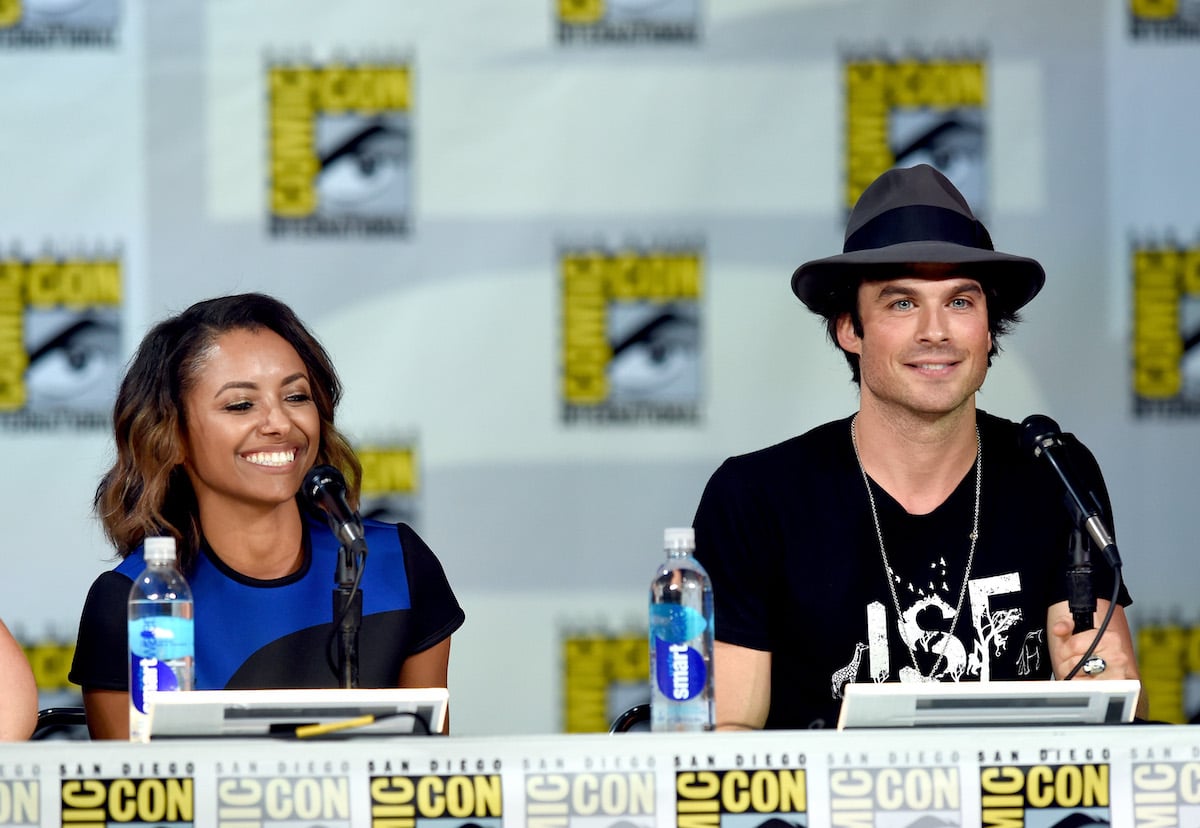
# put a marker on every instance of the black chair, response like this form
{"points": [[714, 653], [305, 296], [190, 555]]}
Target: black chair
{"points": [[60, 722], [635, 718]]}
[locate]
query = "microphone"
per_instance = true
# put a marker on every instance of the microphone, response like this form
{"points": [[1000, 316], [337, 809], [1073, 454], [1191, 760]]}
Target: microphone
{"points": [[324, 487], [1042, 436]]}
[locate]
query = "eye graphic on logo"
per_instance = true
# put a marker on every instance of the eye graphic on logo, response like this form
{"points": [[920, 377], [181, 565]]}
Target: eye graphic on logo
{"points": [[363, 166], [657, 357], [948, 140], [77, 364], [1189, 362]]}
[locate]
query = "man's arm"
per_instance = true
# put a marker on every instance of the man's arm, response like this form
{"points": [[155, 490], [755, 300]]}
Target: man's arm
{"points": [[1116, 647], [741, 686]]}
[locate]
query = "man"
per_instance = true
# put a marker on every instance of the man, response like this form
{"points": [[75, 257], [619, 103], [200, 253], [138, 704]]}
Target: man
{"points": [[916, 540]]}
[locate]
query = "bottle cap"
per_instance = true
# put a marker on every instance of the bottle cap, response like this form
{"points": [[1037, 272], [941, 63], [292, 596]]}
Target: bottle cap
{"points": [[679, 537], [159, 549]]}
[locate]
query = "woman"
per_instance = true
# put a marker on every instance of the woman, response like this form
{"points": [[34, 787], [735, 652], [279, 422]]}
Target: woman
{"points": [[222, 412]]}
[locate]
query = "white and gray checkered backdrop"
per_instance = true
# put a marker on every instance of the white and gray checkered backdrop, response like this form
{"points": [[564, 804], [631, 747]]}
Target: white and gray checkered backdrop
{"points": [[420, 179]]}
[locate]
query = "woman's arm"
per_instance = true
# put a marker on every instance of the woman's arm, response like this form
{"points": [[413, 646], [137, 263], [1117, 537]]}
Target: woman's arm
{"points": [[18, 695], [428, 668], [107, 713]]}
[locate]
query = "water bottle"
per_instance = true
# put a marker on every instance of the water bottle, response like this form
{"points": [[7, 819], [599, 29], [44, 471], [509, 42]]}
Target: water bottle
{"points": [[161, 640], [681, 639]]}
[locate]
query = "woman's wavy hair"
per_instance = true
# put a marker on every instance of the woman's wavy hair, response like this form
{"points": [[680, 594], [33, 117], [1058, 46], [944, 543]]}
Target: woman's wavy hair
{"points": [[147, 491]]}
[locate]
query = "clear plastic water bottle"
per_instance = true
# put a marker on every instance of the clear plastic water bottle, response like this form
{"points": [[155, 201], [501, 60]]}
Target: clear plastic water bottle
{"points": [[161, 633], [681, 639]]}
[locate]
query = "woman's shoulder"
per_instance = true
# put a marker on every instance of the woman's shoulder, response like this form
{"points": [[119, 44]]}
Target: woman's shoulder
{"points": [[110, 588]]}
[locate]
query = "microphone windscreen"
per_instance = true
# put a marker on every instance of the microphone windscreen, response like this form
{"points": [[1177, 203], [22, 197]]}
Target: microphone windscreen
{"points": [[321, 482], [1036, 429]]}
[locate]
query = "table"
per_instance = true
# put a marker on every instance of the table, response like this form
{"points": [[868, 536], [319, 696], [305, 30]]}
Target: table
{"points": [[1131, 775]]}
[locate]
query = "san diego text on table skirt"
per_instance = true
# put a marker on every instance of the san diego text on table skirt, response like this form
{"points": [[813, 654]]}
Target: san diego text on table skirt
{"points": [[1133, 775]]}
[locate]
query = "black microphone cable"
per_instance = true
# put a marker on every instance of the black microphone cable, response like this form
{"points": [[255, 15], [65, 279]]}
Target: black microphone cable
{"points": [[331, 641]]}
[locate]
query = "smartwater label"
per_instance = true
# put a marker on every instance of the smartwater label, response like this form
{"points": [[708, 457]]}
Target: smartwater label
{"points": [[149, 675], [153, 642], [680, 670]]}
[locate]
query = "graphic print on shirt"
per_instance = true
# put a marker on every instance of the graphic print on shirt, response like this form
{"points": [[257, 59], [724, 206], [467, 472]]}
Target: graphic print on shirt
{"points": [[926, 613]]}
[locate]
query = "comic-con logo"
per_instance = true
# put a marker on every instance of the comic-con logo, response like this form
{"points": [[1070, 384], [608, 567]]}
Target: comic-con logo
{"points": [[627, 21], [1166, 793], [903, 111], [458, 800], [59, 341], [709, 799], [589, 800], [256, 802], [50, 660], [631, 335], [1168, 653], [390, 481], [19, 800], [1166, 329], [340, 139], [895, 796], [145, 801], [1036, 795], [69, 23], [1164, 19], [603, 675]]}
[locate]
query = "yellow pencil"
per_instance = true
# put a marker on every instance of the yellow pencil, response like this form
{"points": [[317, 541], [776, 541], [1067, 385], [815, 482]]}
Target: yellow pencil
{"points": [[308, 731]]}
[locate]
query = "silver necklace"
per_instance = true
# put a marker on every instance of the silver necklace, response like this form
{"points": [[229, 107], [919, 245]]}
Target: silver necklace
{"points": [[891, 577]]}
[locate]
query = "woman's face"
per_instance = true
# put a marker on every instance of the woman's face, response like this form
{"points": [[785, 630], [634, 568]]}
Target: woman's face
{"points": [[252, 427]]}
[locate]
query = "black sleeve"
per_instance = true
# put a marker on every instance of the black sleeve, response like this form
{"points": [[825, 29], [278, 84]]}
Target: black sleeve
{"points": [[101, 661], [731, 539], [435, 610]]}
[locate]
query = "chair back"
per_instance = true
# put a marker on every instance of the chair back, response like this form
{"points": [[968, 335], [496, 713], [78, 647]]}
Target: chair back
{"points": [[60, 723], [635, 718]]}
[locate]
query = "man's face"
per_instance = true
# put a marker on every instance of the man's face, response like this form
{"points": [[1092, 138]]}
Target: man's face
{"points": [[925, 343]]}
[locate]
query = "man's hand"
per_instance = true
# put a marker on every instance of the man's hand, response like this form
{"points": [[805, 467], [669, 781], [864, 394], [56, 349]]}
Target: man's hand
{"points": [[1116, 647]]}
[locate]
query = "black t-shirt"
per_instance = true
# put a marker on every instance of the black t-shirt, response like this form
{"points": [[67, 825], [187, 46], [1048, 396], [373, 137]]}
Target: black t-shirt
{"points": [[787, 536]]}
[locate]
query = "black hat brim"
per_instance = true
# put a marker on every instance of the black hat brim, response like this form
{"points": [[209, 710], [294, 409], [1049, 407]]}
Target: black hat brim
{"points": [[1010, 281]]}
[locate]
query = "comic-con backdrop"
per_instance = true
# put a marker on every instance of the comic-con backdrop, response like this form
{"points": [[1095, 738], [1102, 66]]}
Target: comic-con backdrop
{"points": [[548, 244]]}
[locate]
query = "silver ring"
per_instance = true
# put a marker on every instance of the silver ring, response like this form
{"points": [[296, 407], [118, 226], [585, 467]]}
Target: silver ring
{"points": [[1094, 666]]}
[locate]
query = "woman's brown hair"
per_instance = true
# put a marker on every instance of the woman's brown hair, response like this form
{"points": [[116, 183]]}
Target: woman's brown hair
{"points": [[147, 491]]}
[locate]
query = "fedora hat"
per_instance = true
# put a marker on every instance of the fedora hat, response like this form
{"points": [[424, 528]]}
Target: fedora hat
{"points": [[913, 216]]}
